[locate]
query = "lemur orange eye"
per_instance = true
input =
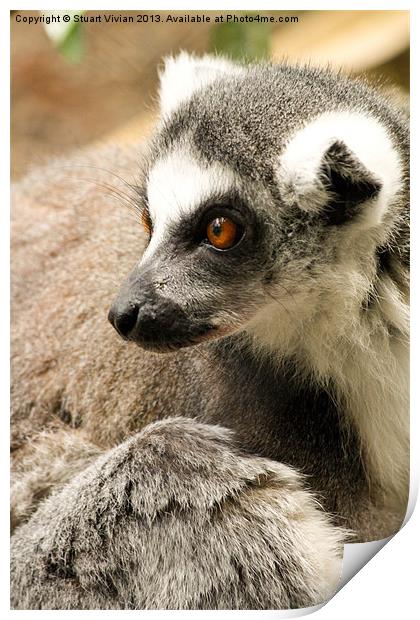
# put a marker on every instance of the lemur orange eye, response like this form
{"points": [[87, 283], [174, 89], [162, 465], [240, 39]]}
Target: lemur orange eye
{"points": [[222, 233], [146, 221]]}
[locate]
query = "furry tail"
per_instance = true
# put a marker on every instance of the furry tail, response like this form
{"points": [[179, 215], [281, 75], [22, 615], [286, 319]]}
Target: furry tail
{"points": [[177, 518]]}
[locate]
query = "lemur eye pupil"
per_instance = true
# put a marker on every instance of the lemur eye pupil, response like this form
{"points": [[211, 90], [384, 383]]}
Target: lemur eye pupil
{"points": [[222, 233], [217, 227]]}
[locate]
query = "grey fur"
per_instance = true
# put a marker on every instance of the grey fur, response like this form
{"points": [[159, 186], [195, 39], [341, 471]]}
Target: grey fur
{"points": [[211, 518], [176, 518]]}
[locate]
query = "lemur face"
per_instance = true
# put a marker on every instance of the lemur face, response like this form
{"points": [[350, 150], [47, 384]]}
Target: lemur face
{"points": [[202, 274], [249, 204]]}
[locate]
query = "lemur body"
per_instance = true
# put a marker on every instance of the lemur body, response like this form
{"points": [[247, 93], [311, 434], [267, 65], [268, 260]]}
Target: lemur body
{"points": [[300, 334]]}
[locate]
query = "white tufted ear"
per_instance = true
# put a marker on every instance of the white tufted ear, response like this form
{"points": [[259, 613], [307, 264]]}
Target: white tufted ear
{"points": [[339, 162], [184, 74]]}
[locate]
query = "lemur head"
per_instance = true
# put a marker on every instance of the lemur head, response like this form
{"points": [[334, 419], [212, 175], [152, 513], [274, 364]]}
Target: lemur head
{"points": [[266, 187]]}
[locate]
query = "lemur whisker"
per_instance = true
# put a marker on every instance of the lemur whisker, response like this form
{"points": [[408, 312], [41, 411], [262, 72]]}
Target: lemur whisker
{"points": [[112, 192], [101, 169]]}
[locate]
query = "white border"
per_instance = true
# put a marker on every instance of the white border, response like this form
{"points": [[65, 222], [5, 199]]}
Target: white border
{"points": [[386, 587]]}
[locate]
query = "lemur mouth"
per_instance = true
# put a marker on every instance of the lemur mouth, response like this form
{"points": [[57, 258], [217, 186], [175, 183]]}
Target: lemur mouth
{"points": [[167, 343], [207, 333]]}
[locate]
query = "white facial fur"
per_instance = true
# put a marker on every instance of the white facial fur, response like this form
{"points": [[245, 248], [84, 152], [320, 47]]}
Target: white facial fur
{"points": [[298, 173], [178, 184]]}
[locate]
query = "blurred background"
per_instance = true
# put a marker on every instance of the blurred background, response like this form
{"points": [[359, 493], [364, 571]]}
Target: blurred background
{"points": [[98, 81]]}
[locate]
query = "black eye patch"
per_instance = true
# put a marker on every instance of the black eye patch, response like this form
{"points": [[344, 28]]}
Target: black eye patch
{"points": [[191, 228]]}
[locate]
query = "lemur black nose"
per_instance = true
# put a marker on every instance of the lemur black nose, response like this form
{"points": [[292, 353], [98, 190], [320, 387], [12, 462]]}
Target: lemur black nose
{"points": [[124, 318]]}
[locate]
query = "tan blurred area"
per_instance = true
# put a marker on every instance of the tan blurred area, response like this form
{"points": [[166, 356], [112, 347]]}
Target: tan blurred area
{"points": [[58, 106]]}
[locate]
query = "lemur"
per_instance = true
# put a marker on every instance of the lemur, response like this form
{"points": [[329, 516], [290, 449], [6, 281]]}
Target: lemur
{"points": [[263, 419]]}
